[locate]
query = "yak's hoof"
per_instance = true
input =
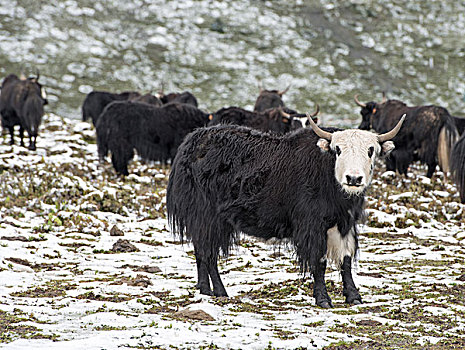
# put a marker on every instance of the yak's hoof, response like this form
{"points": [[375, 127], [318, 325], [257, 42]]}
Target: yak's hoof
{"points": [[32, 148], [325, 304], [206, 291], [354, 302], [221, 294]]}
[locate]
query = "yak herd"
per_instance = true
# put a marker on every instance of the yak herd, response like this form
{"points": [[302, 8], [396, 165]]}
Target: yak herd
{"points": [[257, 172]]}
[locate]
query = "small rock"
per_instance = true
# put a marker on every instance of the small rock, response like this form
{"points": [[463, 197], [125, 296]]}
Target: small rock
{"points": [[217, 26], [199, 315], [369, 323], [149, 269], [123, 246], [461, 278], [139, 281], [115, 231]]}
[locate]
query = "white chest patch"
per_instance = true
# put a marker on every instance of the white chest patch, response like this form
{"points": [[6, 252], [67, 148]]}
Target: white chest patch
{"points": [[338, 247]]}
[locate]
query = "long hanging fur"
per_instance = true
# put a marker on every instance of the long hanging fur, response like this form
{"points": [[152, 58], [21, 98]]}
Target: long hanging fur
{"points": [[448, 136], [458, 166], [231, 179]]}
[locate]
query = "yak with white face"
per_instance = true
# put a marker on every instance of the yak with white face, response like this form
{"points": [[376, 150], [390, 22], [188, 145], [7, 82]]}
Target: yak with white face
{"points": [[356, 152], [227, 180]]}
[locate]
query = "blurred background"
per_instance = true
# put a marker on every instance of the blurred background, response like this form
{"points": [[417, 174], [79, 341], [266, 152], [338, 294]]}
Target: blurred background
{"points": [[222, 50]]}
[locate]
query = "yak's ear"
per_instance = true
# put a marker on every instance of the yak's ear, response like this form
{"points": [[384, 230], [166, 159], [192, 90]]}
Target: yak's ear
{"points": [[386, 148], [323, 144]]}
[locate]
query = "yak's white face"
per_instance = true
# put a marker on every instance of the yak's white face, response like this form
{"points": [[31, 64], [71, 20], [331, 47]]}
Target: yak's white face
{"points": [[356, 152]]}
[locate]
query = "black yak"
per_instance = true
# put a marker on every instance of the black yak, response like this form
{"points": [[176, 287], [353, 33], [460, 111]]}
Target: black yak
{"points": [[182, 97], [154, 132], [457, 166], [273, 119], [22, 103], [96, 101], [428, 134], [269, 99], [306, 185]]}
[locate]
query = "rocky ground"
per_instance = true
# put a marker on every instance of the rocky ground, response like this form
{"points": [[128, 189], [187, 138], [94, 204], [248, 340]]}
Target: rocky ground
{"points": [[87, 261]]}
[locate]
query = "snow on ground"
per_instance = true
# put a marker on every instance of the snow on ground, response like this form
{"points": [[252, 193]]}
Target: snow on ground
{"points": [[87, 262]]}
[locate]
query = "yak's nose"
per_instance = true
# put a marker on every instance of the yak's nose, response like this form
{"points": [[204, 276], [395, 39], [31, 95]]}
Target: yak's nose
{"points": [[354, 180]]}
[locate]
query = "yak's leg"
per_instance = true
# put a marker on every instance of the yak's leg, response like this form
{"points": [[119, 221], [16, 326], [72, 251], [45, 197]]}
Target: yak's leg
{"points": [[11, 129], [21, 136], [341, 250], [203, 282], [32, 143], [218, 287], [320, 293], [349, 290], [121, 154], [120, 165], [431, 169]]}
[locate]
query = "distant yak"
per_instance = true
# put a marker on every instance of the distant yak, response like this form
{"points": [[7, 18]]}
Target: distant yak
{"points": [[182, 97], [96, 101], [22, 103], [269, 99], [154, 132], [428, 134]]}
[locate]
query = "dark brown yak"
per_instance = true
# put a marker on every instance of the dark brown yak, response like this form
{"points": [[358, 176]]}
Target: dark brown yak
{"points": [[22, 103]]}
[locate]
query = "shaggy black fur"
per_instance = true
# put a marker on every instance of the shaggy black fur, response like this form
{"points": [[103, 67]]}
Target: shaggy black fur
{"points": [[96, 101], [154, 132], [458, 166], [419, 137], [21, 103], [182, 97], [231, 179], [460, 124], [269, 120]]}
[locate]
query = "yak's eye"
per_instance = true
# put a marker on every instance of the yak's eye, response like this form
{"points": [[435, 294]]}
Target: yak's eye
{"points": [[371, 150], [338, 151]]}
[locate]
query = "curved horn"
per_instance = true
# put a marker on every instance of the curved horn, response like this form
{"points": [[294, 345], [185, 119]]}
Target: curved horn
{"points": [[38, 74], [384, 98], [321, 133], [363, 105], [391, 134], [260, 87], [21, 74], [316, 112], [161, 92], [284, 114], [280, 93]]}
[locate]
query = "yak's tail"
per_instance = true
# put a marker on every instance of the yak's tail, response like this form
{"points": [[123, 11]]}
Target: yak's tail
{"points": [[33, 110], [448, 136], [457, 166]]}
